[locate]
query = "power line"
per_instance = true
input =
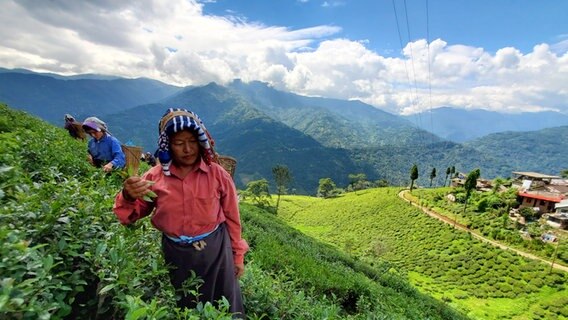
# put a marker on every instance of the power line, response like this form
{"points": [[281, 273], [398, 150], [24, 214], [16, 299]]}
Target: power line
{"points": [[413, 93], [412, 60], [429, 69], [402, 48]]}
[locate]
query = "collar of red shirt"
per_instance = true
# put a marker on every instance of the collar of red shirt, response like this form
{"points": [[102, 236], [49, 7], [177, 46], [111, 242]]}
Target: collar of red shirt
{"points": [[202, 166]]}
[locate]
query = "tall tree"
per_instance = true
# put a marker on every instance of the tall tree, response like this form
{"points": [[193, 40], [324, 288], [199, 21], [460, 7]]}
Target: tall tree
{"points": [[469, 186], [413, 176], [509, 198], [358, 181], [282, 177], [326, 187], [381, 183], [432, 176], [258, 191], [452, 173], [448, 171]]}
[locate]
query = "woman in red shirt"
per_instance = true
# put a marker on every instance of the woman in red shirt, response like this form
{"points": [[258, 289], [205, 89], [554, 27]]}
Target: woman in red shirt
{"points": [[196, 209]]}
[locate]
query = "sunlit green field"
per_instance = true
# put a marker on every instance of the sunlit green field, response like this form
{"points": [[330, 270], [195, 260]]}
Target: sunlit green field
{"points": [[471, 276]]}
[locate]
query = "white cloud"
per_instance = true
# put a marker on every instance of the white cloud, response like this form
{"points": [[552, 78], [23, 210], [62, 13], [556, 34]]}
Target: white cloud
{"points": [[176, 43], [331, 4], [560, 47]]}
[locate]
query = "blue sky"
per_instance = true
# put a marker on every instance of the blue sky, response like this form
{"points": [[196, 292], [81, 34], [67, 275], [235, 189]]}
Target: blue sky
{"points": [[500, 55], [490, 24]]}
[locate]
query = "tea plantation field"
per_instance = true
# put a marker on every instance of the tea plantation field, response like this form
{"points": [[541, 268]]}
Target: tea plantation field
{"points": [[65, 256], [476, 278]]}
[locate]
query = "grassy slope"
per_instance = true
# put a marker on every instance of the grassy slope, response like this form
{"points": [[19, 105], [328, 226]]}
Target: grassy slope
{"points": [[484, 282], [65, 255]]}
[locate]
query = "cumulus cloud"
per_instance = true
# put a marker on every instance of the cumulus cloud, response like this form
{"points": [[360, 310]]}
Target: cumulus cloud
{"points": [[177, 43]]}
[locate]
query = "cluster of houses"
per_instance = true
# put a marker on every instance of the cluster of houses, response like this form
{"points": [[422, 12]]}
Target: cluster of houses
{"points": [[546, 194]]}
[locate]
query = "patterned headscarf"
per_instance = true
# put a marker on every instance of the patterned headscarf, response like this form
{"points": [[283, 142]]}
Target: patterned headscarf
{"points": [[69, 118], [176, 120]]}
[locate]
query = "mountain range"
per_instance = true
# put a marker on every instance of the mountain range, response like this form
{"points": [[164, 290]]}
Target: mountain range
{"points": [[262, 127], [460, 125], [50, 97]]}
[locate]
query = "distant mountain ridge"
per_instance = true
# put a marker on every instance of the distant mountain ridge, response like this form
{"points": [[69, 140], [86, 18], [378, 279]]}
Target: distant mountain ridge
{"points": [[90, 76], [334, 123], [262, 127], [544, 150], [461, 125], [242, 131], [50, 98]]}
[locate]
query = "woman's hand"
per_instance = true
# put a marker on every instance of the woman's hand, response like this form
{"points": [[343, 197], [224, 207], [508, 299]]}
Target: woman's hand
{"points": [[239, 269], [108, 167], [135, 187]]}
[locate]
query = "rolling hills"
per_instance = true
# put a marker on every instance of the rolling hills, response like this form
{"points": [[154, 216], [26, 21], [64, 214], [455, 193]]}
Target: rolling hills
{"points": [[65, 255], [263, 127]]}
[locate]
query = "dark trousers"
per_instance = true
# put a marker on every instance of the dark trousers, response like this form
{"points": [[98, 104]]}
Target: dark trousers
{"points": [[213, 264]]}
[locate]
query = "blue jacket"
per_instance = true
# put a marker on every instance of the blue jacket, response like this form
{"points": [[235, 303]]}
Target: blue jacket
{"points": [[107, 150]]}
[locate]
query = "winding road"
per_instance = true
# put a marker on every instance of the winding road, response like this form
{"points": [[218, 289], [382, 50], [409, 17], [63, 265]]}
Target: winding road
{"points": [[480, 237]]}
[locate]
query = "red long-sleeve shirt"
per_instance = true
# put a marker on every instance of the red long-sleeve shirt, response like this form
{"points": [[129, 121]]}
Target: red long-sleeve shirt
{"points": [[189, 206]]}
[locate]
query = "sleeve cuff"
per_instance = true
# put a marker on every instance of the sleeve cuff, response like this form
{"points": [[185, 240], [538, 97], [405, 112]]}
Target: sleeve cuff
{"points": [[239, 259], [127, 198]]}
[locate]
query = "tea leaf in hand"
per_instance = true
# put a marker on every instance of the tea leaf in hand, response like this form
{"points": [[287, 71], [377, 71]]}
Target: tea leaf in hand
{"points": [[127, 172], [150, 194], [149, 197]]}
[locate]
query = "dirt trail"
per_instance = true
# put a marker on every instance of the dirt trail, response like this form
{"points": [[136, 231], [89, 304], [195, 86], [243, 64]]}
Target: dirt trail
{"points": [[480, 237]]}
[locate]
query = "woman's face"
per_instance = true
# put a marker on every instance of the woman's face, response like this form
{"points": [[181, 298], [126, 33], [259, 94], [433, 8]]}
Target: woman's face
{"points": [[95, 134], [185, 148]]}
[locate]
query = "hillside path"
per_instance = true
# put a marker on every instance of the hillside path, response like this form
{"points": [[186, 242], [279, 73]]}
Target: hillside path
{"points": [[478, 236]]}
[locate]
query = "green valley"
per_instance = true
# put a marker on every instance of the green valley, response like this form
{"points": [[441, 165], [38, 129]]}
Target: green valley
{"points": [[64, 255], [478, 279]]}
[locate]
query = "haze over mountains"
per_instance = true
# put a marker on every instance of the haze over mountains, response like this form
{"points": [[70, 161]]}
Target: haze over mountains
{"points": [[315, 137], [461, 125]]}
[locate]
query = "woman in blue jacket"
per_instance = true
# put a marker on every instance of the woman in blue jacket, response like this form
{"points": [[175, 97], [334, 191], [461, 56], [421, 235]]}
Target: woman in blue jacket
{"points": [[104, 149]]}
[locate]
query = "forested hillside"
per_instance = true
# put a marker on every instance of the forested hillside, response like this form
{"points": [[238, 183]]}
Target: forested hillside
{"points": [[65, 256], [543, 151], [332, 122], [257, 141], [394, 162]]}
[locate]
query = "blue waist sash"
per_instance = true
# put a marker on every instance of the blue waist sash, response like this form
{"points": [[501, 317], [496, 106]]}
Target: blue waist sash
{"points": [[190, 240]]}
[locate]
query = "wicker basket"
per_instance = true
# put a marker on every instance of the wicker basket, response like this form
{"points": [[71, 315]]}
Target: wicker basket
{"points": [[132, 154], [229, 163]]}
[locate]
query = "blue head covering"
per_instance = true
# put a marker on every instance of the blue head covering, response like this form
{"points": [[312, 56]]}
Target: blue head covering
{"points": [[176, 120]]}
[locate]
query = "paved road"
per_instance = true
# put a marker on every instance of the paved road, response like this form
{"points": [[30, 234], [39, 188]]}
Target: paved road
{"points": [[478, 236]]}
